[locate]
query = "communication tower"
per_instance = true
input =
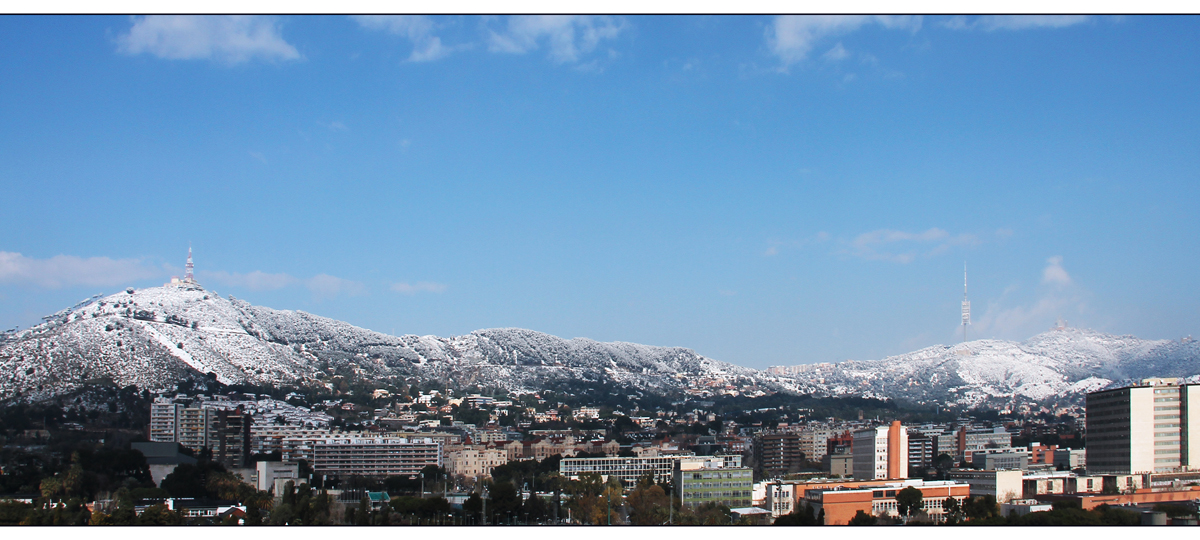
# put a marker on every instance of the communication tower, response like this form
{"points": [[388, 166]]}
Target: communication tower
{"points": [[187, 275], [966, 305]]}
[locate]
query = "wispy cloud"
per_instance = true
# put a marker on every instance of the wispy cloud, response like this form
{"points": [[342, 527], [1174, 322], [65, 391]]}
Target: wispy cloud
{"points": [[325, 286], [419, 29], [991, 23], [322, 286], [567, 37], [793, 37], [1058, 298], [904, 247], [776, 246], [838, 52], [228, 39], [69, 271], [420, 286], [334, 126]]}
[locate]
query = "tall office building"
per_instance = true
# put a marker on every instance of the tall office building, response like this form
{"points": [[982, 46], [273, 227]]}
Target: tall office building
{"points": [[778, 454], [881, 453], [1145, 428]]}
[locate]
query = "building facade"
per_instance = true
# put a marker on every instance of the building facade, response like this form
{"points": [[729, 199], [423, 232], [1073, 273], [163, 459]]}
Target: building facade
{"points": [[1003, 485], [628, 469], [708, 480], [374, 456], [475, 461], [840, 505], [1146, 428], [881, 453], [974, 440], [778, 454]]}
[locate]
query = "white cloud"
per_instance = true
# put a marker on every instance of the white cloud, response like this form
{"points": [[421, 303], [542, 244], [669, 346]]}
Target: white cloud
{"points": [[419, 29], [792, 37], [254, 281], [230, 39], [1058, 299], [325, 286], [1054, 272], [68, 271], [420, 286], [990, 23], [904, 247], [567, 36], [838, 52], [1022, 322]]}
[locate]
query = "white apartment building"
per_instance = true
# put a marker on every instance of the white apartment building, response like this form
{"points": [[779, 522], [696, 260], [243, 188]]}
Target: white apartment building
{"points": [[1146, 428], [267, 438], [881, 453], [628, 469], [374, 456], [164, 414]]}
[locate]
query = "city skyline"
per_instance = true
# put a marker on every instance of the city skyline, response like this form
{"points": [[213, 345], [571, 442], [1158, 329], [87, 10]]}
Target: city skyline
{"points": [[762, 190]]}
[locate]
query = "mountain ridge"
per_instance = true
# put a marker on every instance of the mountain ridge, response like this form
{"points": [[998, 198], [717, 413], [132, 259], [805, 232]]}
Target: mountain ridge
{"points": [[153, 336]]}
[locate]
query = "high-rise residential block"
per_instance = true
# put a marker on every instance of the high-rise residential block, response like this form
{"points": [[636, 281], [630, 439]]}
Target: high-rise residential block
{"points": [[1145, 428]]}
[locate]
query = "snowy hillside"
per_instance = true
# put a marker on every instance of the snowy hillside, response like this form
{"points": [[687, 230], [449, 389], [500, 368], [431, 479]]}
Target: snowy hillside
{"points": [[1056, 367], [152, 337]]}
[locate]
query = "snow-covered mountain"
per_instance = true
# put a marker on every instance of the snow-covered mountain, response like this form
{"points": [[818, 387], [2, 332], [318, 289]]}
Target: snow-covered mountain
{"points": [[1055, 367], [153, 337]]}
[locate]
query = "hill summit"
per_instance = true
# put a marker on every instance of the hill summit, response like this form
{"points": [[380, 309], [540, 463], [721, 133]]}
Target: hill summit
{"points": [[156, 336]]}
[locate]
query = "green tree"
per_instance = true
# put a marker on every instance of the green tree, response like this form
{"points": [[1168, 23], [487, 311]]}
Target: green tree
{"points": [[363, 515], [862, 518], [981, 508], [954, 512], [800, 516], [648, 505], [909, 501], [473, 508], [159, 514], [12, 513], [504, 501]]}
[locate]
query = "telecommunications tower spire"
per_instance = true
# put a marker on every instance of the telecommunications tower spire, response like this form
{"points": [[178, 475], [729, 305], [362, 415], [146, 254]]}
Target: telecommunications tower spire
{"points": [[966, 305], [187, 276]]}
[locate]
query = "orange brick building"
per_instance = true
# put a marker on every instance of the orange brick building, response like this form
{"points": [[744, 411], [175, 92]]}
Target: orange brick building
{"points": [[840, 504]]}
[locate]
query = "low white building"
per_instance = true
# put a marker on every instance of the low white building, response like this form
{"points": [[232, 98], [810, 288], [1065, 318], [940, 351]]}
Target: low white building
{"points": [[267, 472], [1003, 485], [1022, 507]]}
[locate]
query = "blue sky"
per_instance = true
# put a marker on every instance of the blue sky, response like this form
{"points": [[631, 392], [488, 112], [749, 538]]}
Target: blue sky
{"points": [[763, 190]]}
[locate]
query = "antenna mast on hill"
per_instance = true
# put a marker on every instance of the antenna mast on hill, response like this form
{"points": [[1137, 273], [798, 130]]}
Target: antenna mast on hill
{"points": [[187, 275], [966, 305]]}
